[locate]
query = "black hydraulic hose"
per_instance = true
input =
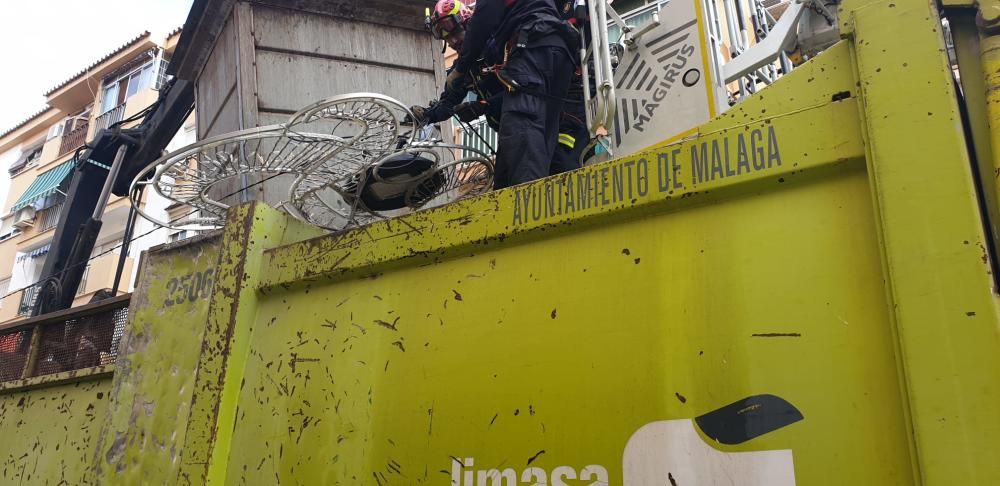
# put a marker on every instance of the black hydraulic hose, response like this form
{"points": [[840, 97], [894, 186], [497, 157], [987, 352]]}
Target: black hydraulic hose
{"points": [[126, 240], [470, 128]]}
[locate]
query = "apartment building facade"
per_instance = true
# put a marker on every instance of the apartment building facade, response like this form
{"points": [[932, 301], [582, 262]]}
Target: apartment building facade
{"points": [[40, 154]]}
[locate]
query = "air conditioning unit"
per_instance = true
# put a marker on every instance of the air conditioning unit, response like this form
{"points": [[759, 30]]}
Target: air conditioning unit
{"points": [[56, 130], [25, 218]]}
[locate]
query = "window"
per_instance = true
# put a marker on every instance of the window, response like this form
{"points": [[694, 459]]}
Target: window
{"points": [[50, 217], [34, 157], [28, 298], [29, 158], [76, 121], [637, 18], [82, 289], [118, 90], [180, 235], [63, 127], [9, 233], [138, 80], [110, 98], [4, 288]]}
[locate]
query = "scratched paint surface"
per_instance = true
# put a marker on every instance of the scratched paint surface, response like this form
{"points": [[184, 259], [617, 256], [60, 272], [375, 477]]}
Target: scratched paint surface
{"points": [[50, 434], [553, 353], [146, 423]]}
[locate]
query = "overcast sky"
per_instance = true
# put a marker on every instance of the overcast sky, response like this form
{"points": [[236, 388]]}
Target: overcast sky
{"points": [[45, 42]]}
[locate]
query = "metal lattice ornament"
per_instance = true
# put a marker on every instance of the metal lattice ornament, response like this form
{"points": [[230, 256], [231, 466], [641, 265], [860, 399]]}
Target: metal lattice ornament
{"points": [[471, 174], [423, 175], [368, 126], [346, 161], [202, 176]]}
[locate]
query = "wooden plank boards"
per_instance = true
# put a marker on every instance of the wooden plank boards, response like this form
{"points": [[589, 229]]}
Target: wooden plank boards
{"points": [[332, 36], [317, 78], [215, 85]]}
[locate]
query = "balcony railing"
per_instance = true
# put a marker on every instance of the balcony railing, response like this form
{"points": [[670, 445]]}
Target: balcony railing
{"points": [[28, 297], [73, 140], [50, 217], [110, 117], [74, 339], [485, 141]]}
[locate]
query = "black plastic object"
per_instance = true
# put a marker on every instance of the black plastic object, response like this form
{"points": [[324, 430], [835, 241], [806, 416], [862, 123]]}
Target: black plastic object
{"points": [[396, 175], [748, 419]]}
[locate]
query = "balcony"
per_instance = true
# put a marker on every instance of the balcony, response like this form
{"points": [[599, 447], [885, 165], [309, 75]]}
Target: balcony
{"points": [[74, 139], [109, 118], [80, 340]]}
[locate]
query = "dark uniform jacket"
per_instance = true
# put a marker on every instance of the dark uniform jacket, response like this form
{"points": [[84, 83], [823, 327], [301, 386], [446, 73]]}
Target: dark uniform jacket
{"points": [[492, 25]]}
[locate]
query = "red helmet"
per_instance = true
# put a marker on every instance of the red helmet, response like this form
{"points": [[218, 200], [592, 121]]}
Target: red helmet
{"points": [[448, 16]]}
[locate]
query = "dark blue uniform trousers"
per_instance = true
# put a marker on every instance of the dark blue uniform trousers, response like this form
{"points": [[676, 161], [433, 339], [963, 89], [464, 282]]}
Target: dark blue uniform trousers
{"points": [[529, 122], [574, 136]]}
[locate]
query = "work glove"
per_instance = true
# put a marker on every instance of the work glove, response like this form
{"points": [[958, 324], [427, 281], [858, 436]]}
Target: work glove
{"points": [[471, 110], [419, 116], [438, 112]]}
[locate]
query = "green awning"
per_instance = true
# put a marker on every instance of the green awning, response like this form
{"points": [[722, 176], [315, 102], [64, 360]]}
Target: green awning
{"points": [[45, 185]]}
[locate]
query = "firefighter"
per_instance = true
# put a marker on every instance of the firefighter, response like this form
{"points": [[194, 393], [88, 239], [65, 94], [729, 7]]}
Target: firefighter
{"points": [[531, 51], [448, 24]]}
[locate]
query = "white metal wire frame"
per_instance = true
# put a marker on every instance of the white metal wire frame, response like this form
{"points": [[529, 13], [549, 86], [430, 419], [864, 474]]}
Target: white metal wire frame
{"points": [[332, 152]]}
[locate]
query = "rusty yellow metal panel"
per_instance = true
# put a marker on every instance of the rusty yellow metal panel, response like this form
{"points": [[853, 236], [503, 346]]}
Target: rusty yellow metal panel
{"points": [[968, 50], [797, 292], [50, 433], [696, 311], [989, 10], [249, 230], [552, 356], [144, 429], [936, 257]]}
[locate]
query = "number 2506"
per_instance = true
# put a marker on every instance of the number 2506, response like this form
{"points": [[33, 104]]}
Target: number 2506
{"points": [[190, 287]]}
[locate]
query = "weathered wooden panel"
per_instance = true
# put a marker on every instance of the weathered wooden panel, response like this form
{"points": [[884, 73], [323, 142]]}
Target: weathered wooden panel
{"points": [[226, 119], [246, 80], [330, 36], [270, 118], [49, 434], [313, 79], [295, 53], [218, 102], [216, 85], [272, 60], [406, 14]]}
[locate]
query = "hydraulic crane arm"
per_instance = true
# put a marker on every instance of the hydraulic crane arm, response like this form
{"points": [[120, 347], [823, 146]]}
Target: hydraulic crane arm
{"points": [[126, 151]]}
